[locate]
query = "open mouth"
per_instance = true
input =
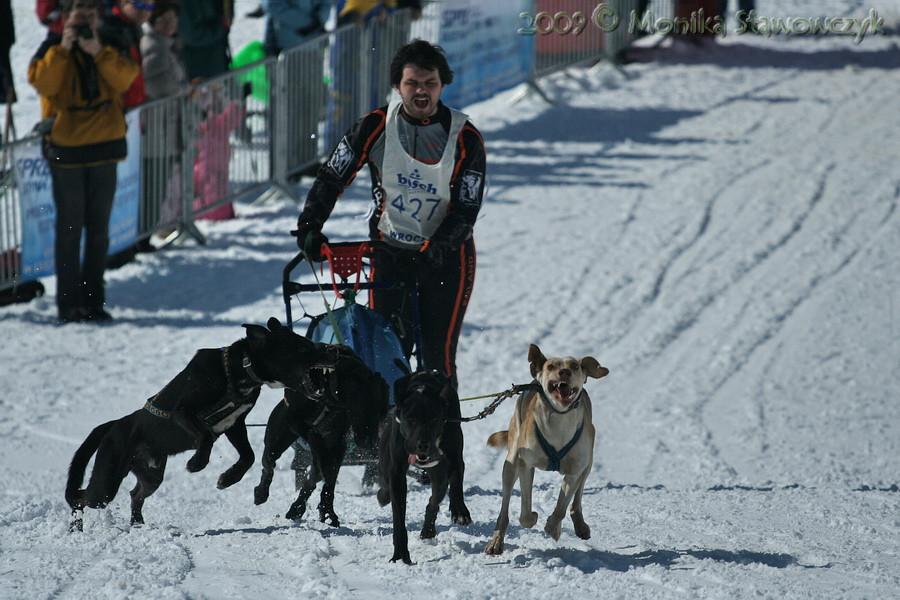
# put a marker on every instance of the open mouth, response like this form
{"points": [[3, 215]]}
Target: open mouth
{"points": [[422, 461], [421, 102], [562, 392], [315, 380]]}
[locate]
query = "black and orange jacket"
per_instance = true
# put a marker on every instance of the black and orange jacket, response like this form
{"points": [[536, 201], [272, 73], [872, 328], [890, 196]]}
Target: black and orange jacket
{"points": [[85, 94], [364, 144]]}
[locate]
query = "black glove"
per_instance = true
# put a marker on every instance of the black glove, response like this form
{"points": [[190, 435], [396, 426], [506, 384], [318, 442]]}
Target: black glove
{"points": [[310, 239], [448, 238], [435, 252]]}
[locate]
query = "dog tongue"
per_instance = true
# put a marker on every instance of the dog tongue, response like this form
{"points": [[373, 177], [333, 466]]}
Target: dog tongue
{"points": [[563, 391], [412, 459]]}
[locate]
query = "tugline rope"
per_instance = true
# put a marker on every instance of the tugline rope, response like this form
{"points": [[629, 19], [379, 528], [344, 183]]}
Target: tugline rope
{"points": [[490, 408]]}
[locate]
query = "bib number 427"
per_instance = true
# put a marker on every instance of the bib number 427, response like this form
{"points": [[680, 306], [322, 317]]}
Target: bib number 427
{"points": [[415, 206]]}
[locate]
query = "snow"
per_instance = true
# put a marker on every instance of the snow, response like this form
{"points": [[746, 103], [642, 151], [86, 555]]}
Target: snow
{"points": [[719, 228]]}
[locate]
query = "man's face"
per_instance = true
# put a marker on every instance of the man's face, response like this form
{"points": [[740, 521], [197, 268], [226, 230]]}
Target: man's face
{"points": [[420, 90]]}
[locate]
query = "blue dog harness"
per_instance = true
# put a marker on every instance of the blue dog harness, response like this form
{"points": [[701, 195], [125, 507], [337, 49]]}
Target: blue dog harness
{"points": [[554, 456]]}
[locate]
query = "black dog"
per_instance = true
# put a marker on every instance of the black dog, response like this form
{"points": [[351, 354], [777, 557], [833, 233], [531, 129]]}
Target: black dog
{"points": [[211, 396], [349, 396], [424, 431]]}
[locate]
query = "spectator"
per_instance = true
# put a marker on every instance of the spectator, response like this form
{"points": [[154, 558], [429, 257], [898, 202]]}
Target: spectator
{"points": [[203, 28], [214, 152], [121, 28], [347, 64], [360, 11], [162, 69], [164, 76], [7, 39], [50, 15], [84, 79], [288, 24], [292, 22], [427, 164]]}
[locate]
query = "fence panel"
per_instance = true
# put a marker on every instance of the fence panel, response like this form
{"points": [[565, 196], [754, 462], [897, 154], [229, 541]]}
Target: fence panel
{"points": [[10, 220], [299, 103]]}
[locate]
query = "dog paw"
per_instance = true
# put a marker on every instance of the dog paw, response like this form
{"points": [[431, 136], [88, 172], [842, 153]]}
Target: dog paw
{"points": [[404, 556], [581, 528], [495, 546], [295, 513], [428, 531], [260, 494], [553, 528], [329, 518], [528, 521], [461, 517], [227, 479], [197, 463]]}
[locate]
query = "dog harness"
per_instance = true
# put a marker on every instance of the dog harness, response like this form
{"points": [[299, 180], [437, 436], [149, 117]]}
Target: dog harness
{"points": [[236, 400], [554, 456]]}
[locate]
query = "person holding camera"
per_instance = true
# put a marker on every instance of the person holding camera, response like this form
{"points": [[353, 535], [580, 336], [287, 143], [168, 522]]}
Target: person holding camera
{"points": [[83, 79]]}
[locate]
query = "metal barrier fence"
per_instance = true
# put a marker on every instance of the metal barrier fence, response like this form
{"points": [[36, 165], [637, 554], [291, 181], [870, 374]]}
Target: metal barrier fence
{"points": [[323, 86], [262, 126], [10, 220]]}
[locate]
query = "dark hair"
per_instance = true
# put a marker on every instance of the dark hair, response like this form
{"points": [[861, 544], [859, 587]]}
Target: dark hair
{"points": [[66, 5], [424, 55], [161, 7]]}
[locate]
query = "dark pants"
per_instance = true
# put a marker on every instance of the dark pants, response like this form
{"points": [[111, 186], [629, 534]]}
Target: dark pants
{"points": [[83, 197], [443, 296]]}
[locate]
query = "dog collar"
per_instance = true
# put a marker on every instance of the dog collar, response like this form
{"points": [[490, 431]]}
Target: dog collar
{"points": [[248, 367], [156, 412], [233, 388]]}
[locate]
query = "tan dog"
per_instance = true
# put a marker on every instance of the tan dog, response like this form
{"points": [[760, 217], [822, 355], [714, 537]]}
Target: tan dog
{"points": [[551, 430]]}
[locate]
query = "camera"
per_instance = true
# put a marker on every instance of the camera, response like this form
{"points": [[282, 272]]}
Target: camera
{"points": [[84, 31]]}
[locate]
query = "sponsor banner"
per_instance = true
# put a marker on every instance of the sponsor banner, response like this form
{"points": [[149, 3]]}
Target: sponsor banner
{"points": [[485, 52], [39, 214]]}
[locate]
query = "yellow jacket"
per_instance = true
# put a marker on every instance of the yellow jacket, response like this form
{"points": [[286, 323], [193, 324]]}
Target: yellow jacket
{"points": [[90, 119], [362, 7]]}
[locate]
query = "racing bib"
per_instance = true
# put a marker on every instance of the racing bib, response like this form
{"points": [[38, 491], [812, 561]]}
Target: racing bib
{"points": [[417, 194]]}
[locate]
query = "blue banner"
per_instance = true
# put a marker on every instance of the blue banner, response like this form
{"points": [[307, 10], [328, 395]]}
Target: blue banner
{"points": [[484, 49], [38, 214]]}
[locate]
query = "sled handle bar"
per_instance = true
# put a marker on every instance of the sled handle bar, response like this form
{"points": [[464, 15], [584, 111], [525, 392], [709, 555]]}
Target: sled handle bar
{"points": [[290, 288]]}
